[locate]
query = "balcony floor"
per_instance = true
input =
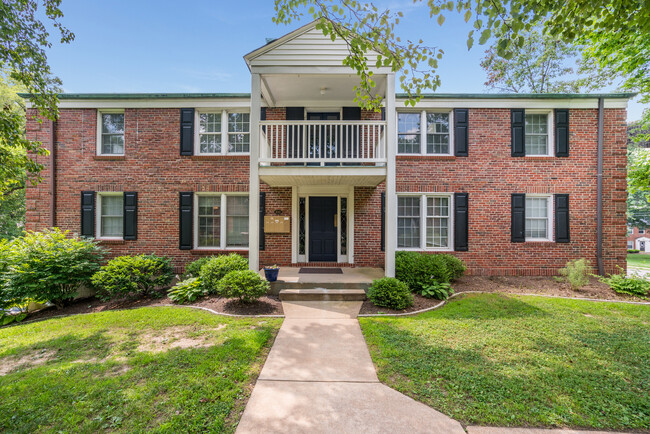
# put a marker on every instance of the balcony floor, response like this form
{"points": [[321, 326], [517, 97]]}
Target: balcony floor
{"points": [[283, 176]]}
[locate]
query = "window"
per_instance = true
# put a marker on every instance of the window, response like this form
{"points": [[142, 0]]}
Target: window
{"points": [[223, 132], [221, 221], [537, 135], [538, 218], [435, 139], [642, 231], [110, 136], [110, 217], [424, 222]]}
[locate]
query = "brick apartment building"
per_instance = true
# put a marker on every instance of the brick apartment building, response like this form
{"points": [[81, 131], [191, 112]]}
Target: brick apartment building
{"points": [[296, 173]]}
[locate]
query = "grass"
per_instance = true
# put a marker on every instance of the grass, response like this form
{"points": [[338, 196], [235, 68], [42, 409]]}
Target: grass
{"points": [[638, 260], [148, 369], [499, 360]]}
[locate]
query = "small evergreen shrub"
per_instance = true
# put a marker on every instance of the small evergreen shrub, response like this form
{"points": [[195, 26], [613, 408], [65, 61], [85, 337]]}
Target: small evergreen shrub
{"points": [[418, 270], [633, 250], [46, 266], [246, 285], [391, 293], [438, 290], [577, 273], [133, 276], [187, 291], [455, 266], [218, 266], [193, 269], [630, 285]]}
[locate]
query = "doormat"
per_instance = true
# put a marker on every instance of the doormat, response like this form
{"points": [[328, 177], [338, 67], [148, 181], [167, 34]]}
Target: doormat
{"points": [[307, 270]]}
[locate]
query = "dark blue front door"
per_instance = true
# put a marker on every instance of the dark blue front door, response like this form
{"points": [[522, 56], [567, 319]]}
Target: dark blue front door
{"points": [[322, 229]]}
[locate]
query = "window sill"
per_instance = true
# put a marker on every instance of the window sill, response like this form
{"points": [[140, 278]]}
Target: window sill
{"points": [[418, 249], [221, 157], [109, 157], [111, 240], [424, 157], [539, 241], [210, 251], [538, 157]]}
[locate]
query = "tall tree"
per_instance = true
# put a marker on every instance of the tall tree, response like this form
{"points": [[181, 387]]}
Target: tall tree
{"points": [[23, 41]]}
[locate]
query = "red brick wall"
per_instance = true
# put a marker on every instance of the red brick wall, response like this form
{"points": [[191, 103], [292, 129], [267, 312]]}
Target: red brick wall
{"points": [[490, 175], [367, 226], [277, 246]]}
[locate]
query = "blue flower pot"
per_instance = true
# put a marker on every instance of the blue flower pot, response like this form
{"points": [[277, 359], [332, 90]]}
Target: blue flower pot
{"points": [[271, 274]]}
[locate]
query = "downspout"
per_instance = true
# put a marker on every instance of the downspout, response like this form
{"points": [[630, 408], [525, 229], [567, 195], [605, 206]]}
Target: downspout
{"points": [[599, 191], [52, 175]]}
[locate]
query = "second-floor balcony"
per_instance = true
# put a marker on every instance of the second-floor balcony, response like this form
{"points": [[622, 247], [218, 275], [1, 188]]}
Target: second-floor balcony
{"points": [[323, 143]]}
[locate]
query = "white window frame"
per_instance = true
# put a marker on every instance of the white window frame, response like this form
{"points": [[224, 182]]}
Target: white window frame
{"points": [[98, 214], [423, 222], [550, 225], [550, 128], [223, 218], [99, 131], [224, 131], [423, 131]]}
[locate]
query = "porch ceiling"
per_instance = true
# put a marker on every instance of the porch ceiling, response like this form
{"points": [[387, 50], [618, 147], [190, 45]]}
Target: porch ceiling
{"points": [[292, 176]]}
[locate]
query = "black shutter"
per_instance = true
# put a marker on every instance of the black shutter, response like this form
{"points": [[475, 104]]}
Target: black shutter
{"points": [[187, 131], [461, 136], [518, 218], [186, 219], [561, 132], [461, 222], [130, 215], [262, 213], [352, 113], [263, 113], [295, 114], [383, 113], [517, 131], [562, 218], [88, 214], [382, 241]]}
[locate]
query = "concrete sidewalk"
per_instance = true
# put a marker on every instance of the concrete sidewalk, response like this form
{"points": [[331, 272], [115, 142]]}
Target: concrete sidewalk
{"points": [[319, 378]]}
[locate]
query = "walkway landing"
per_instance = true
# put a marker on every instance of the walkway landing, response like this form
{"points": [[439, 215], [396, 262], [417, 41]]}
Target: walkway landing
{"points": [[319, 378]]}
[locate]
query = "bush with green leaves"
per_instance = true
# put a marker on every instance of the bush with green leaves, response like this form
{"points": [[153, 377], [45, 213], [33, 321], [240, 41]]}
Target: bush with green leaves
{"points": [[47, 266], [187, 291], [246, 285], [133, 276], [218, 266], [391, 293], [631, 285], [438, 290], [633, 250], [418, 270], [193, 269], [455, 266], [577, 273]]}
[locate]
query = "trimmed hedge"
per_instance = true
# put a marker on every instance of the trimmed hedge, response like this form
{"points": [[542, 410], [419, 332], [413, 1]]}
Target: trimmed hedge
{"points": [[217, 267], [246, 285], [391, 293], [133, 276], [193, 269]]}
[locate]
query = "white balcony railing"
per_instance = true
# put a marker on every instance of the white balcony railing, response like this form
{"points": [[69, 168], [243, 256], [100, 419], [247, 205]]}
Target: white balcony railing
{"points": [[322, 143]]}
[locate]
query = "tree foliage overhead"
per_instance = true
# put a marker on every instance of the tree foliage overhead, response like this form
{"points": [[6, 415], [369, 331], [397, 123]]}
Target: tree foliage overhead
{"points": [[24, 37]]}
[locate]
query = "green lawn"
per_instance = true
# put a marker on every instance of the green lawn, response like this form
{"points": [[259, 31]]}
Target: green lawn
{"points": [[148, 369], [502, 360], [638, 260]]}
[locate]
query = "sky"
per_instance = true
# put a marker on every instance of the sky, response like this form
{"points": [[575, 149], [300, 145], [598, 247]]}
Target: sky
{"points": [[198, 45]]}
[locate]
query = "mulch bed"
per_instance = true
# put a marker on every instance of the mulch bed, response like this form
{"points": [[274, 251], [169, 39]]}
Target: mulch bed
{"points": [[511, 285], [267, 305]]}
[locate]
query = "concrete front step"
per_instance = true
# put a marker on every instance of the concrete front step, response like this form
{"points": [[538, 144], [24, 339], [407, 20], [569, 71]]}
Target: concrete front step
{"points": [[322, 294], [278, 286]]}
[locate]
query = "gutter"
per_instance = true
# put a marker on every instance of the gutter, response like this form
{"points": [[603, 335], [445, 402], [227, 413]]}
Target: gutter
{"points": [[52, 175], [599, 191]]}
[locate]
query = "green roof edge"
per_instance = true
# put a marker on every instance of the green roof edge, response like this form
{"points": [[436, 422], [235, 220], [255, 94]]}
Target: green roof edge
{"points": [[520, 95], [145, 95]]}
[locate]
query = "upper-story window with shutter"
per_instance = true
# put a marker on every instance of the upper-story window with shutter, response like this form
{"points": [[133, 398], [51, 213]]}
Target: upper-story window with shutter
{"points": [[110, 133], [537, 134], [222, 132], [434, 139]]}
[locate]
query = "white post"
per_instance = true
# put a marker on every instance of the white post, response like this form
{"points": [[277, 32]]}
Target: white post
{"points": [[254, 183], [391, 181]]}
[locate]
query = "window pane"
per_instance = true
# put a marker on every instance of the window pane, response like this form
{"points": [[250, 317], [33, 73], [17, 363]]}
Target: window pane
{"points": [[536, 217], [408, 222], [438, 206], [408, 139], [437, 133], [536, 134], [438, 232], [112, 133], [210, 143], [209, 230], [237, 221], [210, 123], [111, 218], [113, 123]]}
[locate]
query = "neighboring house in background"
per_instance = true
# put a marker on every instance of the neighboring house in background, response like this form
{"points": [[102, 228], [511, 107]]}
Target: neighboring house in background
{"points": [[638, 239], [295, 173]]}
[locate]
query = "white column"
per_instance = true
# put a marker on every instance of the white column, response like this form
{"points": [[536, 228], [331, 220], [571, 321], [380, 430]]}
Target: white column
{"points": [[254, 183], [391, 182]]}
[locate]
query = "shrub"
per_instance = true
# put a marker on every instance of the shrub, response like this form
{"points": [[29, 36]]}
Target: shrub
{"points": [[47, 266], [193, 269], [391, 293], [455, 266], [633, 250], [132, 276], [441, 291], [246, 285], [577, 273], [185, 291], [630, 285], [418, 270], [217, 267]]}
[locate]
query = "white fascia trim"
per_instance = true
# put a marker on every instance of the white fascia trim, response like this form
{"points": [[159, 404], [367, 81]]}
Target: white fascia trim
{"points": [[442, 104]]}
